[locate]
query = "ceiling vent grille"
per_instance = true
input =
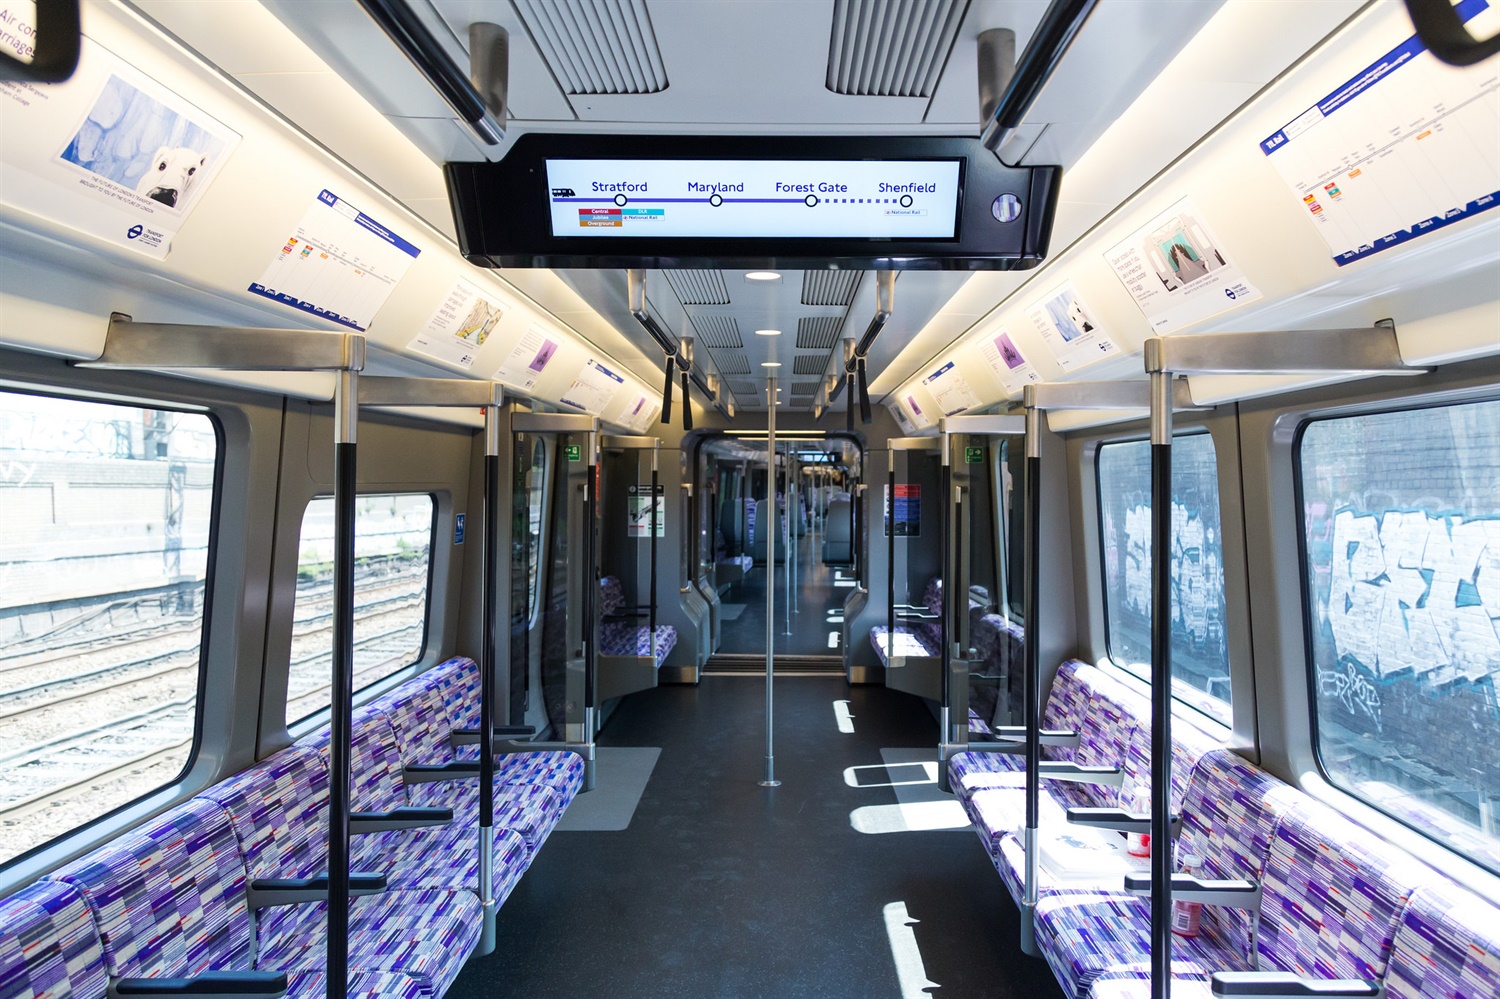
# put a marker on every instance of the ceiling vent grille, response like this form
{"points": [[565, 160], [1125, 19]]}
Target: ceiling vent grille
{"points": [[699, 287], [746, 390], [718, 331], [800, 387], [731, 362], [810, 364], [891, 48], [818, 332], [597, 46], [829, 287]]}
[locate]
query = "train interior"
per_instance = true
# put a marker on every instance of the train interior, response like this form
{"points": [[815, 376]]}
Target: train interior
{"points": [[750, 498]]}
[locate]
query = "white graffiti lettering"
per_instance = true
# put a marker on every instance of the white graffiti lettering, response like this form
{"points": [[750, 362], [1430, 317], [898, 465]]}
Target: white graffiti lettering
{"points": [[16, 474], [1359, 696]]}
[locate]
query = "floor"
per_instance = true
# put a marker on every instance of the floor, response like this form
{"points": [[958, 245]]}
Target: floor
{"points": [[720, 887], [819, 595]]}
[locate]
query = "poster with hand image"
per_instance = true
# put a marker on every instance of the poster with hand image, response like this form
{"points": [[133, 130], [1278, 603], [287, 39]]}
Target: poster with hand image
{"points": [[111, 152], [1070, 329]]}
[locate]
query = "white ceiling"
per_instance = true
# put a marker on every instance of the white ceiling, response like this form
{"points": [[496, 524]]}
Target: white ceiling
{"points": [[759, 67]]}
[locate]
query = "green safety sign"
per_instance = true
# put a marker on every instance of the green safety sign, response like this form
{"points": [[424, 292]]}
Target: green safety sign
{"points": [[575, 452], [973, 455]]}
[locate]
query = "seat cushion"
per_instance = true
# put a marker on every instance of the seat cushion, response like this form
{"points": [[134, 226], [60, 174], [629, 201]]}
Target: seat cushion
{"points": [[442, 857], [909, 642], [424, 934], [618, 638], [530, 810], [362, 985], [169, 898], [49, 947]]}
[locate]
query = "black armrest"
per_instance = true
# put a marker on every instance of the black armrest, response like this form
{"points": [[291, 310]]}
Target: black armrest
{"points": [[470, 736], [398, 818], [1119, 820], [294, 891], [1257, 984], [1078, 773], [240, 984], [1231, 894], [985, 679], [427, 773], [990, 746], [1067, 738]]}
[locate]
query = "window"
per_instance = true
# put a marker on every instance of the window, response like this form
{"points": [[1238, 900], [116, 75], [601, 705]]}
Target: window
{"points": [[1011, 513], [107, 514], [392, 556], [1401, 535], [536, 491], [1200, 656]]}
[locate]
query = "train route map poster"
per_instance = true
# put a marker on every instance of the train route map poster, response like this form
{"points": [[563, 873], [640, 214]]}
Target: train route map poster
{"points": [[1070, 329], [593, 388], [111, 152], [528, 359], [338, 264], [1177, 270], [951, 390], [460, 325], [1404, 148], [1007, 362]]}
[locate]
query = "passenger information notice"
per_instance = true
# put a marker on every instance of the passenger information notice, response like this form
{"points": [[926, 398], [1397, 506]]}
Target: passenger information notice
{"points": [[889, 199], [1403, 148]]}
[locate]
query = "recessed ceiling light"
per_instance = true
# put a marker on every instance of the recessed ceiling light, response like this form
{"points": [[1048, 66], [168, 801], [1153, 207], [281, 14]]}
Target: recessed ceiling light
{"points": [[762, 276], [768, 332], [770, 364]]}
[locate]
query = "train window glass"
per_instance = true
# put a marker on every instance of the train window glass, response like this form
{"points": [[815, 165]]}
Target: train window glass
{"points": [[392, 562], [1200, 656], [1012, 525], [536, 494], [1401, 542], [107, 514]]}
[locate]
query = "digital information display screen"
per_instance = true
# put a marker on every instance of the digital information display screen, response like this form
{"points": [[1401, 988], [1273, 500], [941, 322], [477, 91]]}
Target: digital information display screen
{"points": [[757, 199]]}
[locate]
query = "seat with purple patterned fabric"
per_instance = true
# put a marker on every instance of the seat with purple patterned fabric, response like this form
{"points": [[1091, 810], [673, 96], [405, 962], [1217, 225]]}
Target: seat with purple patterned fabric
{"points": [[622, 638], [49, 945], [1447, 947], [1331, 901], [169, 901]]}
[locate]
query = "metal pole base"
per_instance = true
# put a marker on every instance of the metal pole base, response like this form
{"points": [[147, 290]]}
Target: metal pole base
{"points": [[588, 773], [486, 944], [769, 783], [1028, 931]]}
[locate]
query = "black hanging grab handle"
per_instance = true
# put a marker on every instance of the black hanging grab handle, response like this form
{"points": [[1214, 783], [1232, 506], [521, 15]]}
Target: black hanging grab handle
{"points": [[59, 41], [666, 395], [687, 408], [864, 395], [1442, 31]]}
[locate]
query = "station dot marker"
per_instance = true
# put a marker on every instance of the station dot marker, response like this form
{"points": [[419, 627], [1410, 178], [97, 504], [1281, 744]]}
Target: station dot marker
{"points": [[621, 200], [906, 201], [810, 200], [715, 200]]}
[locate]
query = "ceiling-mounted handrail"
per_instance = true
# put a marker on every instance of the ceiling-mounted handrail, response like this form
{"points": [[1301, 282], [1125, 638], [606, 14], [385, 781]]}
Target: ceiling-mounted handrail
{"points": [[58, 43], [1059, 26], [854, 357], [679, 352], [1440, 27], [417, 43]]}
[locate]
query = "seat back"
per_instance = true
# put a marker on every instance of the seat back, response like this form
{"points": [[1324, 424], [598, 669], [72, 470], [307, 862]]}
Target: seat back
{"points": [[1447, 947], [374, 760], [49, 945], [419, 718], [838, 532], [169, 897], [611, 595], [279, 811]]}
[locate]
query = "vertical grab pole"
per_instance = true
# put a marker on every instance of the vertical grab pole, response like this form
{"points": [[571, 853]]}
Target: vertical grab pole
{"points": [[1161, 684], [489, 654], [590, 618], [771, 530], [791, 534], [946, 604], [651, 526], [1032, 648], [340, 724], [890, 556]]}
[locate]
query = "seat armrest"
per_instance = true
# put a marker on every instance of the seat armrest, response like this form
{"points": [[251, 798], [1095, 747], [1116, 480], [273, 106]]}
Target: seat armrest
{"points": [[1119, 820], [428, 773], [1276, 984], [408, 817], [1066, 738], [264, 892], [240, 984], [470, 736], [1229, 894], [990, 746], [916, 615], [1081, 774], [986, 679]]}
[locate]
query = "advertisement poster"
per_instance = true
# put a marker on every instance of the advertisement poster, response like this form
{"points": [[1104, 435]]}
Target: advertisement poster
{"points": [[1070, 329], [919, 418], [111, 152], [899, 412], [642, 414], [908, 510], [1177, 271], [951, 390], [593, 388], [338, 264], [1404, 148], [527, 359], [1007, 362], [461, 324], [644, 511]]}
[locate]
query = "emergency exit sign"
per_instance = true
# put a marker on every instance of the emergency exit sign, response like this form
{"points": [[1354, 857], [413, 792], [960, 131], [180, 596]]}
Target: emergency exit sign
{"points": [[973, 455], [575, 452]]}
